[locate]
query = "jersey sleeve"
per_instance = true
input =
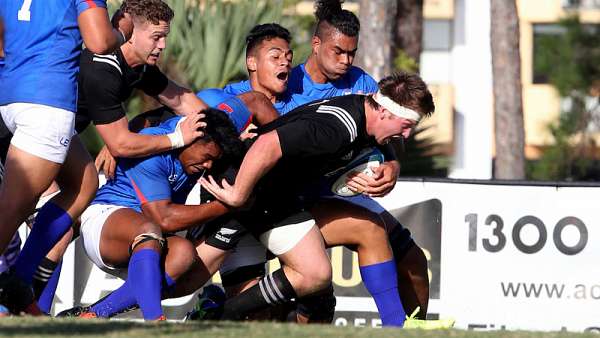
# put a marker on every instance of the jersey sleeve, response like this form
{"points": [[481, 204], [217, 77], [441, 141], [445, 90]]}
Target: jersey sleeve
{"points": [[149, 179], [101, 84], [314, 135], [153, 81], [83, 5]]}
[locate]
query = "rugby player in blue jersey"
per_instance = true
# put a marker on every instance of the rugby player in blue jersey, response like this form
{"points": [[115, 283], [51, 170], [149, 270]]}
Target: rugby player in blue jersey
{"points": [[38, 91], [122, 230]]}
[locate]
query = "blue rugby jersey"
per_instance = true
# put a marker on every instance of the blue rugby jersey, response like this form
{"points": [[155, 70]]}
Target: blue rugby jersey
{"points": [[153, 178], [235, 109], [301, 89], [42, 44], [355, 81]]}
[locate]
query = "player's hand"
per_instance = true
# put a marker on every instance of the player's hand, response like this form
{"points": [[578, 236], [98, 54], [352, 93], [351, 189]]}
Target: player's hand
{"points": [[379, 184], [248, 133], [224, 192], [106, 163], [191, 127], [123, 22]]}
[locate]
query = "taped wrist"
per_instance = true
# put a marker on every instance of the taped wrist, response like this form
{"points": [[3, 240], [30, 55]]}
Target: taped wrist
{"points": [[176, 137]]}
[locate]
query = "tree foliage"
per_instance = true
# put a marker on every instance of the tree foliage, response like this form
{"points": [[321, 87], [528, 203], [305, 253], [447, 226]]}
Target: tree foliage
{"points": [[570, 62]]}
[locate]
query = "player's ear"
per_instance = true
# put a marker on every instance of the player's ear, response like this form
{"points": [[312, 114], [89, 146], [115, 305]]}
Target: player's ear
{"points": [[251, 63], [315, 43]]}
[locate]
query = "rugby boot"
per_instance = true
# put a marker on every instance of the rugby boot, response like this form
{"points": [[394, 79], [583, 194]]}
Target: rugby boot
{"points": [[209, 306], [429, 324], [16, 295]]}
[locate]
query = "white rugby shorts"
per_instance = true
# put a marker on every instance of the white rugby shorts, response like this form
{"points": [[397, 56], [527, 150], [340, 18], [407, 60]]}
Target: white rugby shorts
{"points": [[40, 130], [92, 222]]}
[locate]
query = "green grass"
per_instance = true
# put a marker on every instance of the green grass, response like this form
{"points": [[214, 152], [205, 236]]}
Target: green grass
{"points": [[48, 327]]}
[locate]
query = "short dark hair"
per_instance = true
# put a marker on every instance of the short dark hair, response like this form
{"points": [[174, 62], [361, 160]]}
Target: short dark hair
{"points": [[407, 90], [151, 10], [220, 129], [329, 13], [266, 31]]}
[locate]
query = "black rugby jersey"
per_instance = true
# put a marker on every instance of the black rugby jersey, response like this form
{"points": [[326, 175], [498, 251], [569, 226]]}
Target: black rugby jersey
{"points": [[105, 84]]}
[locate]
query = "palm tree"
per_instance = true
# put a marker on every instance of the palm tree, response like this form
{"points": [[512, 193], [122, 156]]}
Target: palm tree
{"points": [[508, 101]]}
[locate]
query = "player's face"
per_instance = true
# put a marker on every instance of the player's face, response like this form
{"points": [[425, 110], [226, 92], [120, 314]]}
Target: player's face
{"points": [[149, 40], [335, 53], [199, 157], [273, 65], [391, 126]]}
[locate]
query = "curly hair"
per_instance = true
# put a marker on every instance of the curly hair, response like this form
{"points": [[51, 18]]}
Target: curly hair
{"points": [[151, 10], [330, 13], [220, 129], [407, 90], [263, 32]]}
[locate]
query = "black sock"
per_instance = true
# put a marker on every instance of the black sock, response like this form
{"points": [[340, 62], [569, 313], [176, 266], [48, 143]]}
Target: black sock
{"points": [[42, 275], [318, 307], [271, 290]]}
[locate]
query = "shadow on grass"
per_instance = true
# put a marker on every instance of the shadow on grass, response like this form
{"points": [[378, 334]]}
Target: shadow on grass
{"points": [[25, 326]]}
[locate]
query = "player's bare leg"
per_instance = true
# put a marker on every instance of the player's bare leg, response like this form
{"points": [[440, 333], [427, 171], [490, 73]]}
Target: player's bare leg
{"points": [[26, 177], [344, 224]]}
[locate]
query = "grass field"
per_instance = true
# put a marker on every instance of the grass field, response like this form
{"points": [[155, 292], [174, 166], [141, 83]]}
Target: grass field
{"points": [[54, 328]]}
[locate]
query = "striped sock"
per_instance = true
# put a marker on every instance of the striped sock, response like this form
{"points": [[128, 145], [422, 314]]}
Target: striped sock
{"points": [[271, 290]]}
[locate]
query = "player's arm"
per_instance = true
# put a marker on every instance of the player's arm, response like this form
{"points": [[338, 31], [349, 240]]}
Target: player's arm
{"points": [[99, 34], [181, 100], [174, 217], [261, 108], [260, 158], [101, 84]]}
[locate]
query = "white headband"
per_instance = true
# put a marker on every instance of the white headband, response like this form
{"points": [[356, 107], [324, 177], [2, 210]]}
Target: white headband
{"points": [[396, 109]]}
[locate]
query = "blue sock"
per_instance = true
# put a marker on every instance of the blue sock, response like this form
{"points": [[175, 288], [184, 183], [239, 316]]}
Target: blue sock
{"points": [[123, 298], [381, 280], [146, 280], [51, 223], [47, 296]]}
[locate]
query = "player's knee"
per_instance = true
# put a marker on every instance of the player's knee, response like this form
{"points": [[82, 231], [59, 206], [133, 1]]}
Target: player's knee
{"points": [[371, 231], [181, 255], [319, 277], [148, 235]]}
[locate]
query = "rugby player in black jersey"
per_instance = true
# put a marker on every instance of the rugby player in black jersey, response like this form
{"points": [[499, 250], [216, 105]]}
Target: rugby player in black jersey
{"points": [[292, 153]]}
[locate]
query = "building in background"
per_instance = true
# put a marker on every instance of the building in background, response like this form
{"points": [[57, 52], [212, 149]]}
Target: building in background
{"points": [[456, 63]]}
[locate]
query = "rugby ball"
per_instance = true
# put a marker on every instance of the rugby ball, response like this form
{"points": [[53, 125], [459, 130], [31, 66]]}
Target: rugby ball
{"points": [[363, 162]]}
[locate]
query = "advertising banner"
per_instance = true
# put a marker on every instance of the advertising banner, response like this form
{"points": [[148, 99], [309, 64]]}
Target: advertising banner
{"points": [[501, 256]]}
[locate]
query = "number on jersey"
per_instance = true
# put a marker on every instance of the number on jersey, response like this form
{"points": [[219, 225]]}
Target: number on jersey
{"points": [[24, 13]]}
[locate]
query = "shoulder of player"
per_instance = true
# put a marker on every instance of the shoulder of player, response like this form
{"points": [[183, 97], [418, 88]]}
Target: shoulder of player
{"points": [[358, 74], [236, 88], [95, 62], [338, 114]]}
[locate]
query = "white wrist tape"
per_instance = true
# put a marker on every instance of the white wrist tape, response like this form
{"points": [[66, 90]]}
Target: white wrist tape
{"points": [[396, 109], [176, 137]]}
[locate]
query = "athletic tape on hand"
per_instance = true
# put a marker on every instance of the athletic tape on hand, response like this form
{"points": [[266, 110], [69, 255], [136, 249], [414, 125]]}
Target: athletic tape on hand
{"points": [[176, 137]]}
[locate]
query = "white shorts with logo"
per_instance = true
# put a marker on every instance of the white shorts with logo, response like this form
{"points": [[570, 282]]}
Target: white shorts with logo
{"points": [[92, 222], [40, 130]]}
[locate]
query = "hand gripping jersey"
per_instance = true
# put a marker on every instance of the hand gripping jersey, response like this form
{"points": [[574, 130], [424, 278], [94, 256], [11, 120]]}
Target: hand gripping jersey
{"points": [[42, 44], [153, 178]]}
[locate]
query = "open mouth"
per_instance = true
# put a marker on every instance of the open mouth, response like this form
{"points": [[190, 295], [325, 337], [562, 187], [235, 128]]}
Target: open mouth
{"points": [[156, 55], [283, 76]]}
